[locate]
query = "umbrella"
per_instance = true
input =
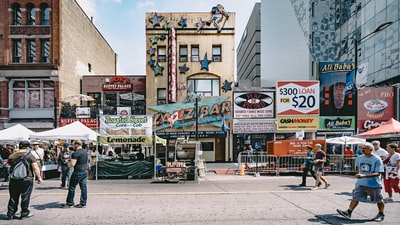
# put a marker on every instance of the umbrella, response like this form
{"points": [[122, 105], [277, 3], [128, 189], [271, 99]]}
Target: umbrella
{"points": [[346, 140], [80, 97]]}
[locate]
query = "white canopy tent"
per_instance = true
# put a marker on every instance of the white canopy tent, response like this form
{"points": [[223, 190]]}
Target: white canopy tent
{"points": [[75, 130], [15, 133]]}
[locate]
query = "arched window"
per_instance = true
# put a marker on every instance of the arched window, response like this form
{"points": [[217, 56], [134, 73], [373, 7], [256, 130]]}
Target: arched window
{"points": [[17, 15], [45, 13], [30, 14]]}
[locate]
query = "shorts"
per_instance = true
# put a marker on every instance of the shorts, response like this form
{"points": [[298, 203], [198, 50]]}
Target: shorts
{"points": [[319, 169], [361, 193]]}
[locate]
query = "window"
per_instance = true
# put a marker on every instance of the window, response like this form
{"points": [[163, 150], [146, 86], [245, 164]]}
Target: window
{"points": [[31, 14], [195, 54], [161, 96], [45, 14], [110, 104], [183, 53], [30, 51], [161, 54], [17, 15], [216, 53], [17, 51], [45, 50], [205, 87], [32, 94]]}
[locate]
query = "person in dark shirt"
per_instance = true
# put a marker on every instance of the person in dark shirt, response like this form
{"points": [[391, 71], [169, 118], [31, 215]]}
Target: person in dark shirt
{"points": [[308, 166], [79, 160], [22, 187]]}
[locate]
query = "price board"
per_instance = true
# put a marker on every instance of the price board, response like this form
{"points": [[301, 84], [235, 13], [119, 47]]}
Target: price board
{"points": [[297, 98]]}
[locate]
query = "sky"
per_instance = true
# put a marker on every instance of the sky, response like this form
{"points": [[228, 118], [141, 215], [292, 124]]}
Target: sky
{"points": [[122, 23]]}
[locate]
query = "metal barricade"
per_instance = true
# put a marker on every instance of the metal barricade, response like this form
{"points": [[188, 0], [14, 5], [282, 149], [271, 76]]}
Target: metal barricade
{"points": [[257, 162], [260, 162], [290, 163]]}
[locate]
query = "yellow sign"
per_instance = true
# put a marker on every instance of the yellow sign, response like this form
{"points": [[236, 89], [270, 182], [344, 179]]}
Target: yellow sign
{"points": [[161, 141], [294, 123], [126, 140]]}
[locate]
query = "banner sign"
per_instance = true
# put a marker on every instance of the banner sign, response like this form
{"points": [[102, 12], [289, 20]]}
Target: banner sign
{"points": [[249, 126], [290, 123], [253, 105], [297, 98], [120, 129], [92, 123], [377, 105]]}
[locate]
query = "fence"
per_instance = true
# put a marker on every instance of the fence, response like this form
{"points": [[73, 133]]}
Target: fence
{"points": [[261, 163]]}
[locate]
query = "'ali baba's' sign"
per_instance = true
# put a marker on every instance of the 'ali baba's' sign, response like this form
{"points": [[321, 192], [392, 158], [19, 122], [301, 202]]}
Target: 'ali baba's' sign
{"points": [[118, 83]]}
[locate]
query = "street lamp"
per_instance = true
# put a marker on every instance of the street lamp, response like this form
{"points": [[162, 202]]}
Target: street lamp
{"points": [[377, 30]]}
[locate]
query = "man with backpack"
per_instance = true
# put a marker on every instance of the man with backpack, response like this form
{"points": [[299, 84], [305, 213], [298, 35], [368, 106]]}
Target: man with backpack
{"points": [[22, 167]]}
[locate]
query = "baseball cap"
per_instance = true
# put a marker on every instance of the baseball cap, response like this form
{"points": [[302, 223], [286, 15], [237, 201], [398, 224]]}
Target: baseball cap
{"points": [[24, 144], [309, 148], [66, 145]]}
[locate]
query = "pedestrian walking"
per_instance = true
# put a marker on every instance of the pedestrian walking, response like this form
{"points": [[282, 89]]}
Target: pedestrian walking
{"points": [[369, 183], [320, 159], [308, 166], [22, 186], [392, 166], [79, 161]]}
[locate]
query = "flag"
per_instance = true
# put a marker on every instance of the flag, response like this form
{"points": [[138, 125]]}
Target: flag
{"points": [[223, 127], [177, 115]]}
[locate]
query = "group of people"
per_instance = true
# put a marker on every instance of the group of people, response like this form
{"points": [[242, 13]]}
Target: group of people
{"points": [[22, 187], [376, 168]]}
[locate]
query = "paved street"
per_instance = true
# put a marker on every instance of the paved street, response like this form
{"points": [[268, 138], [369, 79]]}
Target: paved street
{"points": [[215, 199]]}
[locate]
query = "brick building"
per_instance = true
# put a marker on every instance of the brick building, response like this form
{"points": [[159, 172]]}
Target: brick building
{"points": [[45, 48]]}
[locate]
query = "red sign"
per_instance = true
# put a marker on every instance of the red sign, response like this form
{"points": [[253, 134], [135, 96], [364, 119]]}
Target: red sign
{"points": [[375, 106], [92, 123]]}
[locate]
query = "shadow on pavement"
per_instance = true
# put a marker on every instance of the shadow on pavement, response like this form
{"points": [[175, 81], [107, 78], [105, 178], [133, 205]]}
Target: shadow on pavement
{"points": [[50, 205], [336, 220]]}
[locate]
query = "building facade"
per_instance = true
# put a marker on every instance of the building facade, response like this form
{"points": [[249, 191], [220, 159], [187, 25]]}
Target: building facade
{"points": [[190, 74], [248, 64], [45, 48], [339, 37]]}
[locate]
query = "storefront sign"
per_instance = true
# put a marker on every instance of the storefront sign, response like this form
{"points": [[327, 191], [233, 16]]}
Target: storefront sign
{"points": [[126, 140], [118, 83], [253, 105], [290, 123], [249, 126], [192, 134], [330, 123], [297, 98], [376, 106], [92, 123]]}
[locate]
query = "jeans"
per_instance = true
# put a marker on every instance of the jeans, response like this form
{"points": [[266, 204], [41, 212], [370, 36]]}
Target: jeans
{"points": [[16, 189], [307, 168], [66, 173], [77, 178]]}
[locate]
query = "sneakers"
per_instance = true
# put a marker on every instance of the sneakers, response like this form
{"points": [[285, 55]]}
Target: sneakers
{"points": [[389, 199], [345, 214], [66, 206], [379, 218], [80, 206], [26, 216], [327, 185], [319, 184], [314, 188]]}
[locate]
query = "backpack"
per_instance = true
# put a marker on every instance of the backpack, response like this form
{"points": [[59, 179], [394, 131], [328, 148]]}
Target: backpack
{"points": [[20, 167]]}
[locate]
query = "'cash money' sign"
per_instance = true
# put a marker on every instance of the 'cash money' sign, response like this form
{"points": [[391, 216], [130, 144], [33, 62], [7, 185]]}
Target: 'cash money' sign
{"points": [[297, 98]]}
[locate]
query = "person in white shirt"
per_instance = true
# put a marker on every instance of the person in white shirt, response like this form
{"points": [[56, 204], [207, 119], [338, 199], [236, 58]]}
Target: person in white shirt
{"points": [[392, 166], [382, 153], [38, 152]]}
